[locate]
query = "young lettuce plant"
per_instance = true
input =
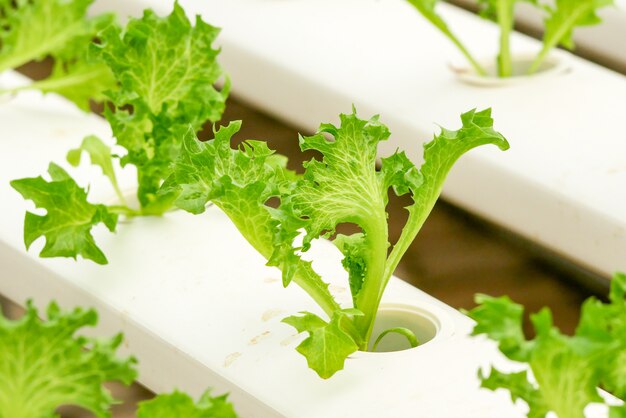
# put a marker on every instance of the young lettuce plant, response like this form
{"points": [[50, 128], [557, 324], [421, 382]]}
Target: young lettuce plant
{"points": [[344, 187], [566, 371], [560, 20], [59, 29], [165, 70], [46, 364]]}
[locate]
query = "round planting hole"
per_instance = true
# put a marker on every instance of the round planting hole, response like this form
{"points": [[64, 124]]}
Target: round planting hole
{"points": [[425, 325], [555, 63]]}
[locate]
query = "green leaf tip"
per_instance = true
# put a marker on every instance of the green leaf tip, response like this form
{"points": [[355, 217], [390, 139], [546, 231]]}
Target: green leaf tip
{"points": [[45, 364], [69, 217], [328, 344], [164, 64], [167, 72]]}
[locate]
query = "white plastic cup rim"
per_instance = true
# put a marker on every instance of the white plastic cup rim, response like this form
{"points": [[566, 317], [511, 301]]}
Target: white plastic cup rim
{"points": [[440, 321], [556, 63]]}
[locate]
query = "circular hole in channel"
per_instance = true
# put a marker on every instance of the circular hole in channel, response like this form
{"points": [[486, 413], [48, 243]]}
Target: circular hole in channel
{"points": [[553, 64], [521, 65], [424, 324]]}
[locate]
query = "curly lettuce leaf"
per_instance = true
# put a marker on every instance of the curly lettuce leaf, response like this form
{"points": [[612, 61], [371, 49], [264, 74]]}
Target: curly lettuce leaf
{"points": [[567, 370], [519, 387], [241, 182], [440, 155], [69, 217], [167, 70], [164, 64], [328, 344], [32, 34], [344, 186], [44, 364], [605, 323], [179, 404], [501, 320]]}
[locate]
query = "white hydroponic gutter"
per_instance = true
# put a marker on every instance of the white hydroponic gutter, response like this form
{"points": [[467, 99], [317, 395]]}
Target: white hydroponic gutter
{"points": [[199, 308], [562, 184]]}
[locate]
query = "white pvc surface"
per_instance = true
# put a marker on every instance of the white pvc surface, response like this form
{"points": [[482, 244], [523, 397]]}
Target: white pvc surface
{"points": [[562, 184]]}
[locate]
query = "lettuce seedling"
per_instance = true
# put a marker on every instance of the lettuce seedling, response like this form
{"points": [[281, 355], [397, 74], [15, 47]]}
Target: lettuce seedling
{"points": [[566, 370], [343, 187], [165, 71], [45, 364], [60, 29], [560, 20]]}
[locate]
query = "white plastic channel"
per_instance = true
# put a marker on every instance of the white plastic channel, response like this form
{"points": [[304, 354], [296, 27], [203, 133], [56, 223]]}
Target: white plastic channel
{"points": [[562, 184], [200, 309]]}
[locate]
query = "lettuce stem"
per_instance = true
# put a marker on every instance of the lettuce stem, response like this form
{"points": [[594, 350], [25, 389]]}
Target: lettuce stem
{"points": [[427, 10], [66, 82], [124, 210], [368, 299], [505, 21], [480, 70]]}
